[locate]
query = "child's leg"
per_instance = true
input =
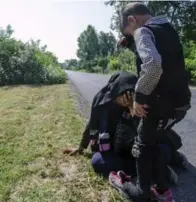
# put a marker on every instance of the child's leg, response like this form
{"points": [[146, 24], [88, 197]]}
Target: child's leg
{"points": [[143, 150], [161, 160]]}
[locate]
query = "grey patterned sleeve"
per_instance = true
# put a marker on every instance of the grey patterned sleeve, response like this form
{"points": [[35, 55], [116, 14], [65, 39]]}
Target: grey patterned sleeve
{"points": [[151, 68]]}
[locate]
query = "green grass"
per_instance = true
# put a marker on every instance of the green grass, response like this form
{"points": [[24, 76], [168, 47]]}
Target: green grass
{"points": [[36, 123]]}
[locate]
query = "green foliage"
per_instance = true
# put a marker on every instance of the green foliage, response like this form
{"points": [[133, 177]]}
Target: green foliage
{"points": [[124, 61], [114, 64], [182, 14], [88, 45], [107, 43], [97, 69], [103, 62], [27, 63], [190, 60], [127, 60], [190, 50], [71, 64], [93, 49], [55, 75], [191, 68]]}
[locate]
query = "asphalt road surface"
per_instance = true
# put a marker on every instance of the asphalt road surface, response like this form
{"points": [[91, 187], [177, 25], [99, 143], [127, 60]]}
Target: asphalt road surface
{"points": [[89, 84]]}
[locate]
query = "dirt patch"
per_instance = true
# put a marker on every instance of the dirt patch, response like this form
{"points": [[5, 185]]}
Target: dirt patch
{"points": [[69, 171]]}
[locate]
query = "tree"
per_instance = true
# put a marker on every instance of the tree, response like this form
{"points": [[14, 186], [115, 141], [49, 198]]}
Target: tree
{"points": [[107, 43], [93, 48], [88, 44], [182, 14], [70, 64]]}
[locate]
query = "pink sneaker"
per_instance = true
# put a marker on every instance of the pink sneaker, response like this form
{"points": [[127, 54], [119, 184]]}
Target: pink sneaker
{"points": [[124, 176], [166, 197], [120, 181]]}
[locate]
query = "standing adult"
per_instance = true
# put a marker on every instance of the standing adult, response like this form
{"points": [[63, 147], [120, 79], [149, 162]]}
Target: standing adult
{"points": [[162, 93]]}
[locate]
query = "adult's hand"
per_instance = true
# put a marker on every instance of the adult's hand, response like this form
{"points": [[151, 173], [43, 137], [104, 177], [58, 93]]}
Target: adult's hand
{"points": [[128, 102], [127, 99], [139, 110], [73, 151]]}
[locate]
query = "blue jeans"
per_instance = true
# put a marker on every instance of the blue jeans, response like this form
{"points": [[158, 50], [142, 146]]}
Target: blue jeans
{"points": [[104, 163]]}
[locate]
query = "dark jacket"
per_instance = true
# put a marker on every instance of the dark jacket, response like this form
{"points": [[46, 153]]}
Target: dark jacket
{"points": [[173, 84], [105, 114]]}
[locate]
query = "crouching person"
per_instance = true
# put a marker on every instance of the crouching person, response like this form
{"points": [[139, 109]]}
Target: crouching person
{"points": [[111, 131]]}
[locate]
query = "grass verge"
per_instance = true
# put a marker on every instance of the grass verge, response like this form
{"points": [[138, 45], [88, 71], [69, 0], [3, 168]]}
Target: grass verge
{"points": [[36, 123]]}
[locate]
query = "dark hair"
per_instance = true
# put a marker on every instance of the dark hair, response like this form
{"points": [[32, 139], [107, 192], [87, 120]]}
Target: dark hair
{"points": [[132, 9]]}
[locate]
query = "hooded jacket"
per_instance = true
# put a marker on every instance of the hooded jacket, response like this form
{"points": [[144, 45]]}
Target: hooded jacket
{"points": [[105, 114]]}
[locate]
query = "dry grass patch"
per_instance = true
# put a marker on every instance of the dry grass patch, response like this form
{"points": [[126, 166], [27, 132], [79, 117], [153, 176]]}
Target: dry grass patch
{"points": [[36, 123]]}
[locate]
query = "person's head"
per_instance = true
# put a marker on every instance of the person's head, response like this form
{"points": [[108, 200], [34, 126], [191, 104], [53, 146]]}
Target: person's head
{"points": [[133, 16]]}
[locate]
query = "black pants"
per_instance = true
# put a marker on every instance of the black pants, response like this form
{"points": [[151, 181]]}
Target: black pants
{"points": [[146, 145], [145, 148]]}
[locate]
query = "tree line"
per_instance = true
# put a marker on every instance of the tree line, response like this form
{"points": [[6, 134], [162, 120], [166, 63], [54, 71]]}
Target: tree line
{"points": [[96, 50], [93, 50]]}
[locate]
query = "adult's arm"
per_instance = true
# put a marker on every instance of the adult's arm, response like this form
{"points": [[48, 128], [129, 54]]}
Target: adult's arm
{"points": [[151, 68]]}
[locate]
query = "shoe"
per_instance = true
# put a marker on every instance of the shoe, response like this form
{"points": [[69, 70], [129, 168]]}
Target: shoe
{"points": [[123, 184], [166, 197], [118, 181], [124, 176], [172, 176]]}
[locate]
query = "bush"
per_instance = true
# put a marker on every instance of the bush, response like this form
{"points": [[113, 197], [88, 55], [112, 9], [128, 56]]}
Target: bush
{"points": [[89, 65], [103, 62], [114, 64], [27, 63], [55, 75], [190, 60], [127, 60], [191, 69], [124, 61], [97, 69]]}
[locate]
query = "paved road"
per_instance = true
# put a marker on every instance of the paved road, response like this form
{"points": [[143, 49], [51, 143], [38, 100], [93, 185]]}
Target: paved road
{"points": [[89, 84]]}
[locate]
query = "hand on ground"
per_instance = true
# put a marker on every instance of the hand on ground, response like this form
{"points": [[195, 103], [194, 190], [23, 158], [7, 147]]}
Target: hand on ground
{"points": [[73, 151]]}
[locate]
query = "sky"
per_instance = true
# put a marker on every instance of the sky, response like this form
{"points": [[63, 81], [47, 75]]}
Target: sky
{"points": [[57, 23]]}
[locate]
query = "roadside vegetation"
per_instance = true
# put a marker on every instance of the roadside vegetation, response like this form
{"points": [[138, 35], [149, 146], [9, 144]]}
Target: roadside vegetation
{"points": [[96, 49], [27, 63]]}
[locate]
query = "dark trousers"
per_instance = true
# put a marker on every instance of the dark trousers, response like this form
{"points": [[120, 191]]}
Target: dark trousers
{"points": [[145, 147], [104, 163]]}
